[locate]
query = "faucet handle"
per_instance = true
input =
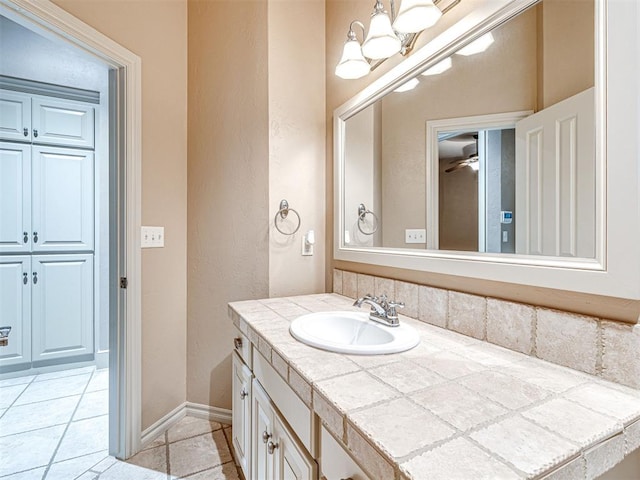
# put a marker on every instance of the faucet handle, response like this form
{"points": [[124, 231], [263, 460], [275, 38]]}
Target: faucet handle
{"points": [[392, 305]]}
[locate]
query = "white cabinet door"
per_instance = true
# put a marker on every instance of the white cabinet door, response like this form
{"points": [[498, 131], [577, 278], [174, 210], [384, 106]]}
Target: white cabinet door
{"points": [[15, 309], [291, 460], [241, 414], [15, 116], [62, 199], [62, 122], [15, 198], [62, 306], [261, 433], [276, 452]]}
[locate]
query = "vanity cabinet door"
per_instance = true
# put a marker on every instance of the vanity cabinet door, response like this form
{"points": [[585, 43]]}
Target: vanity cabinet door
{"points": [[291, 460], [261, 434], [241, 414]]}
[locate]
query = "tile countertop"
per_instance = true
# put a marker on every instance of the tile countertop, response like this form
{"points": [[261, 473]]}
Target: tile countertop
{"points": [[452, 407]]}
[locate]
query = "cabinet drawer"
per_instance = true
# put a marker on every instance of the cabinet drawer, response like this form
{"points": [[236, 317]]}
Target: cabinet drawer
{"points": [[335, 463], [242, 346], [285, 399]]}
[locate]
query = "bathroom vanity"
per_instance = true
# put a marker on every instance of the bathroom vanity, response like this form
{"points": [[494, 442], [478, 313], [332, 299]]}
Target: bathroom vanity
{"points": [[452, 407]]}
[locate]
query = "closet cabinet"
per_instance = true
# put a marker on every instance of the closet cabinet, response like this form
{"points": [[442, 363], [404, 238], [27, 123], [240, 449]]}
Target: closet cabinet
{"points": [[47, 300], [15, 308], [61, 306], [46, 120], [15, 116], [15, 198], [47, 197]]}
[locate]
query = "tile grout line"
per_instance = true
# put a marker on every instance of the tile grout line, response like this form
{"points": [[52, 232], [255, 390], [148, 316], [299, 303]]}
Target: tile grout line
{"points": [[21, 393], [66, 429], [167, 453]]}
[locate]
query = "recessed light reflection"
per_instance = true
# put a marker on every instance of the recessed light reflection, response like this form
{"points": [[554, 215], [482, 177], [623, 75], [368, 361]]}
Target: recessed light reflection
{"points": [[410, 85], [477, 46], [438, 68]]}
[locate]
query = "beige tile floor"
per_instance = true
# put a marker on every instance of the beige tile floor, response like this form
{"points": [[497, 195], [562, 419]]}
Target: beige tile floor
{"points": [[54, 426]]}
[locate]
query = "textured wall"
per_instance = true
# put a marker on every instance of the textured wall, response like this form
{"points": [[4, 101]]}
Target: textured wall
{"points": [[157, 32], [296, 142], [228, 211]]}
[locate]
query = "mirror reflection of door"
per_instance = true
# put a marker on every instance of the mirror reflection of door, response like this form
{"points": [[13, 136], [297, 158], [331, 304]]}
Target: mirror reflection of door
{"points": [[477, 190]]}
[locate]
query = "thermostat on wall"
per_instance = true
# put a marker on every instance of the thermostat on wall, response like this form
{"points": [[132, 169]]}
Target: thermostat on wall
{"points": [[506, 217]]}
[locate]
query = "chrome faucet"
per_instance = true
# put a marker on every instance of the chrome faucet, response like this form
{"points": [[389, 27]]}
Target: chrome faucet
{"points": [[382, 310]]}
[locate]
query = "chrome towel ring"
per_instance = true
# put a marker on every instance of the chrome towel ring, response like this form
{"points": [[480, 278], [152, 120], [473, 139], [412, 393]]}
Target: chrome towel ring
{"points": [[362, 213], [283, 213]]}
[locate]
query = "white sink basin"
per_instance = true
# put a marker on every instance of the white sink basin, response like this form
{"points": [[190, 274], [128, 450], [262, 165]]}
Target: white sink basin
{"points": [[352, 332]]}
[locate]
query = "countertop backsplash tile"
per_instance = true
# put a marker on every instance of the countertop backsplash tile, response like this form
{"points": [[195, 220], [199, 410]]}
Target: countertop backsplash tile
{"points": [[596, 346]]}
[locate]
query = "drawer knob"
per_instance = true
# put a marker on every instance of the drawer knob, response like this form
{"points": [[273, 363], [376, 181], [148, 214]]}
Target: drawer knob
{"points": [[243, 394], [25, 132], [265, 436], [35, 133], [237, 342], [271, 447]]}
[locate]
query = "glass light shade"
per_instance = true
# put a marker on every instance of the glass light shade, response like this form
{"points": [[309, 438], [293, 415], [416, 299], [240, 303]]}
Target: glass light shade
{"points": [[352, 64], [416, 15], [477, 46], [409, 85], [381, 41], [438, 68]]}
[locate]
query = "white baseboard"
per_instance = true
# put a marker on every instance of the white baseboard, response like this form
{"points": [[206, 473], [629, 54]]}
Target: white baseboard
{"points": [[162, 425], [220, 415], [197, 410]]}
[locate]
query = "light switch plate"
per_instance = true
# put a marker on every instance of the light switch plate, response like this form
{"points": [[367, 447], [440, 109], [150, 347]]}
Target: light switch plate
{"points": [[152, 237]]}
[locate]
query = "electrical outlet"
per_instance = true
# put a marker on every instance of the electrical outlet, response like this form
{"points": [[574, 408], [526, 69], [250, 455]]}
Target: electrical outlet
{"points": [[152, 237], [415, 235]]}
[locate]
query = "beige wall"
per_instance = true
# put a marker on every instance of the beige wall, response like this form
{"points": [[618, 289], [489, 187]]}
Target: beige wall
{"points": [[567, 49], [228, 213], [296, 142], [339, 15], [157, 32], [256, 136]]}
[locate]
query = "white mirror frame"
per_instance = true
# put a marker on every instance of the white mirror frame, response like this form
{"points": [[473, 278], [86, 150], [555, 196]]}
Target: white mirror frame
{"points": [[615, 270]]}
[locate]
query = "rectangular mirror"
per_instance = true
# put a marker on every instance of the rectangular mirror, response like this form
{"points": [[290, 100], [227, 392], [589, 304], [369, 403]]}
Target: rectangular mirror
{"points": [[563, 217], [489, 150]]}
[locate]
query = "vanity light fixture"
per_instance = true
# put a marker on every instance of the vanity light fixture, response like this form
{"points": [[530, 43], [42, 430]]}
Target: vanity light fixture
{"points": [[389, 34], [382, 41], [408, 85], [352, 64], [438, 68], [416, 15], [477, 46]]}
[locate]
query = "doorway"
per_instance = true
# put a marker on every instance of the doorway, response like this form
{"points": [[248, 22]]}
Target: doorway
{"points": [[124, 126]]}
